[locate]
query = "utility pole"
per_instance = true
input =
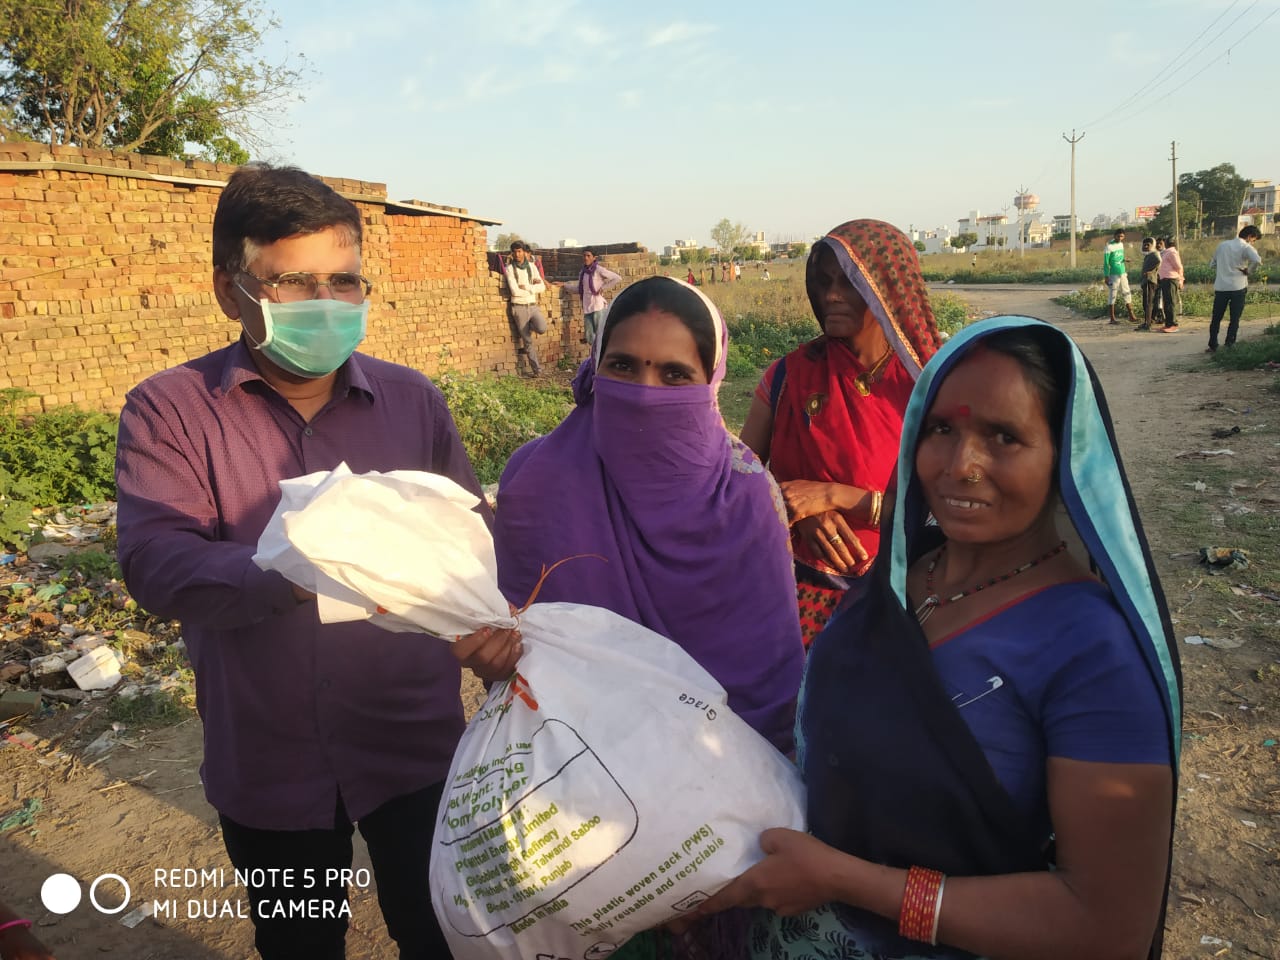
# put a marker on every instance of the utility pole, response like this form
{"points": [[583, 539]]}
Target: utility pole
{"points": [[1173, 157], [1073, 140], [1022, 191]]}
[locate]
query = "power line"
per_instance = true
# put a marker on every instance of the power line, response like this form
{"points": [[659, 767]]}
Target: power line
{"points": [[1212, 63], [1165, 69]]}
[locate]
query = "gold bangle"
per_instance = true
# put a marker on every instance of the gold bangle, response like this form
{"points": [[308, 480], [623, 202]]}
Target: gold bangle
{"points": [[877, 499]]}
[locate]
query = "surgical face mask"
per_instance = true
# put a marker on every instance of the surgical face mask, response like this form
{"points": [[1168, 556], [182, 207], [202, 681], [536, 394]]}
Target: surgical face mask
{"points": [[311, 338]]}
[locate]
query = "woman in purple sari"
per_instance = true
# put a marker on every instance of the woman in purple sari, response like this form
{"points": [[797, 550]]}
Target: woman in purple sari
{"points": [[691, 527]]}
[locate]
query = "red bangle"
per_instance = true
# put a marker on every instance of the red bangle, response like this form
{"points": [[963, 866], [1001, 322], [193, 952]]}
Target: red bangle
{"points": [[921, 904], [14, 923]]}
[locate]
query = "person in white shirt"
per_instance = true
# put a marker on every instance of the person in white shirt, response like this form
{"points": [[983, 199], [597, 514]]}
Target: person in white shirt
{"points": [[594, 279], [524, 284], [1233, 261]]}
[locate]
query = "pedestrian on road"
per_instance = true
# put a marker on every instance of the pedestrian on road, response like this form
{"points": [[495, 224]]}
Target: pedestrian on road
{"points": [[309, 728], [1150, 282], [1233, 261], [1170, 278], [1116, 276]]}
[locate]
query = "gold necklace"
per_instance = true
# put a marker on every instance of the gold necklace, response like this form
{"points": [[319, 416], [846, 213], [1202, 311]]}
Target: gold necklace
{"points": [[863, 381]]}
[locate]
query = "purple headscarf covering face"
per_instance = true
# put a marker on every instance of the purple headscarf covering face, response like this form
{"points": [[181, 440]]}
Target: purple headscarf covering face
{"points": [[687, 519]]}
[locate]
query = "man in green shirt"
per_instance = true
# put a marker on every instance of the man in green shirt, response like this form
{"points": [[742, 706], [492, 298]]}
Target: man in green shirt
{"points": [[1116, 275]]}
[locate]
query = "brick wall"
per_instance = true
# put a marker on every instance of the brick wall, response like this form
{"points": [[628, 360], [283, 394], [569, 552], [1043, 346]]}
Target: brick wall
{"points": [[105, 277]]}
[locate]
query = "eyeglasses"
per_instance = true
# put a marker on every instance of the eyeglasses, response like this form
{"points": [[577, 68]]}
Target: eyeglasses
{"points": [[294, 287]]}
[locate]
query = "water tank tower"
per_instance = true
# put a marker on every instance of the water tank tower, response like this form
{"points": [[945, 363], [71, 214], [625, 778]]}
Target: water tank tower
{"points": [[1026, 202]]}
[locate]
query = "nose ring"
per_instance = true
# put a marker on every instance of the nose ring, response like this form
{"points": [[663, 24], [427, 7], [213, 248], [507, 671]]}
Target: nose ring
{"points": [[973, 478]]}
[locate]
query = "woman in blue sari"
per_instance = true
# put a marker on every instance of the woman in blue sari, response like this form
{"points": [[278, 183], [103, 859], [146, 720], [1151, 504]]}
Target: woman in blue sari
{"points": [[989, 726]]}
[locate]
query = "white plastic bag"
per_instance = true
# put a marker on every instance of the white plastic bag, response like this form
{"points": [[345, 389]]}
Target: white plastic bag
{"points": [[605, 790], [404, 549]]}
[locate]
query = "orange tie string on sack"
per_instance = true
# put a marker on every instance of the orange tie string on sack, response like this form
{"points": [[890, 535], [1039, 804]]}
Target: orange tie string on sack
{"points": [[546, 571], [519, 685]]}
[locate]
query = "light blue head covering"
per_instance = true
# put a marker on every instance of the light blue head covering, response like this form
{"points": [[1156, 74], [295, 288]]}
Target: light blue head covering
{"points": [[1094, 490]]}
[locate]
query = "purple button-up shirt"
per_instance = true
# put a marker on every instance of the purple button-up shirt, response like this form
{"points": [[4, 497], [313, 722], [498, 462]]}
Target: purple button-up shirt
{"points": [[294, 711]]}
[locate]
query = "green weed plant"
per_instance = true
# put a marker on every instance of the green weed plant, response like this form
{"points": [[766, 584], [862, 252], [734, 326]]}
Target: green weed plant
{"points": [[496, 415], [61, 456]]}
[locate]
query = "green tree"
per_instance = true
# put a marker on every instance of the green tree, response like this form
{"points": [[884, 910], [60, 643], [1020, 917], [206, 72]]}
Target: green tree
{"points": [[728, 235], [919, 245], [503, 241], [1161, 225], [1216, 197], [962, 240], [797, 250], [143, 75]]}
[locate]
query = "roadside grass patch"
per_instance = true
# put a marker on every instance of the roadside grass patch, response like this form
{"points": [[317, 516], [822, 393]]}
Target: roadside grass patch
{"points": [[1197, 301], [1251, 353]]}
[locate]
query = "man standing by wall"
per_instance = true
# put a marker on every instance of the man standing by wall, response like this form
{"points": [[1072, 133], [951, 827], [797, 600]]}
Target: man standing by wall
{"points": [[308, 727], [593, 280], [524, 284], [1116, 275], [1233, 261]]}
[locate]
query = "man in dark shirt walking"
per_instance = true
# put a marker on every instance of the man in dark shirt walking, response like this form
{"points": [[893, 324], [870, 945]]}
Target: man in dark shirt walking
{"points": [[308, 728]]}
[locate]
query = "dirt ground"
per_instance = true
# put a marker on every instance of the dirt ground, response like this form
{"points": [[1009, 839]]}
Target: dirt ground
{"points": [[1225, 899]]}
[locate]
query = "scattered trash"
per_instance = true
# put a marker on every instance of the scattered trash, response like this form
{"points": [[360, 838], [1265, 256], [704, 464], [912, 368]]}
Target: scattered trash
{"points": [[18, 703], [1268, 743], [1218, 643], [135, 917], [1208, 941], [101, 744], [47, 552], [1237, 509], [1244, 590], [53, 663], [1220, 559], [1199, 486], [1223, 432], [1251, 824], [99, 669], [1204, 454], [25, 817]]}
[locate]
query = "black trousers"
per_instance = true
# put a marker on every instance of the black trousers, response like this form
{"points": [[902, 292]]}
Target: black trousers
{"points": [[1168, 289], [1222, 299], [1150, 300], [398, 835]]}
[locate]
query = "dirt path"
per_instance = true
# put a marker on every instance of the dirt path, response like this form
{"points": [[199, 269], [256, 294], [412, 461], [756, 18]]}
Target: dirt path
{"points": [[1226, 873]]}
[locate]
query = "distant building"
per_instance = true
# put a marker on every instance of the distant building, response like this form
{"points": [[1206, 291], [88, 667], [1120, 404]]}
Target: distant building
{"points": [[1260, 207], [997, 231], [937, 240], [1062, 223], [567, 242], [758, 243], [679, 247]]}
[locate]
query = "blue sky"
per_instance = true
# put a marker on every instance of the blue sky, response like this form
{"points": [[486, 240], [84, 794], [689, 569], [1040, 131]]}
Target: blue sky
{"points": [[650, 122]]}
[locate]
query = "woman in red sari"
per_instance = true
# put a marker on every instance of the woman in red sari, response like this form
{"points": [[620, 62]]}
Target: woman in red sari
{"points": [[827, 417]]}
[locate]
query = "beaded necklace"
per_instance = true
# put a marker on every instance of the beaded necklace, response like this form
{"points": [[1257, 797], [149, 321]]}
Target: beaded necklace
{"points": [[932, 602]]}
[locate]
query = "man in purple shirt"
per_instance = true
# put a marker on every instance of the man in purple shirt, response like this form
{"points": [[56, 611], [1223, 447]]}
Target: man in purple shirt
{"points": [[308, 728]]}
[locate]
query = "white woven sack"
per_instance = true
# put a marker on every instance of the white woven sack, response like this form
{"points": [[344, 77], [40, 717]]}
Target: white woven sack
{"points": [[605, 790]]}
